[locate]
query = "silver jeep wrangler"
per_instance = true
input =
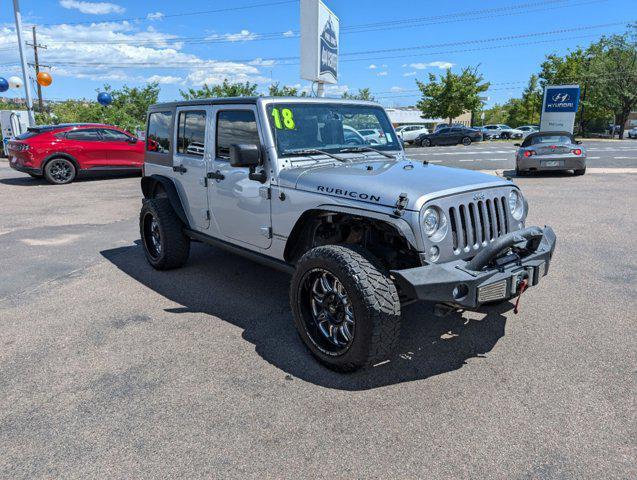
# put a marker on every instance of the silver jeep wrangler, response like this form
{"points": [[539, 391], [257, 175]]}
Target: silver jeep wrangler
{"points": [[291, 182]]}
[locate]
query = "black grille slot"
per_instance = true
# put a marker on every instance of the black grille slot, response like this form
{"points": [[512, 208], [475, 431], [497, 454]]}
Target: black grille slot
{"points": [[474, 229], [505, 219], [454, 230], [463, 220]]}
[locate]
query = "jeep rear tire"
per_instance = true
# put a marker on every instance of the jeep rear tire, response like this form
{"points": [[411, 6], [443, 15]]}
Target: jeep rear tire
{"points": [[163, 239], [346, 308]]}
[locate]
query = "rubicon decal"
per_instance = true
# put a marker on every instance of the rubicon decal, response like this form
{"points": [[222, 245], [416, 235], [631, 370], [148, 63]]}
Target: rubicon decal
{"points": [[348, 193]]}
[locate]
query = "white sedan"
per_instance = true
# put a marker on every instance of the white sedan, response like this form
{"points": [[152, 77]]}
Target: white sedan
{"points": [[409, 133]]}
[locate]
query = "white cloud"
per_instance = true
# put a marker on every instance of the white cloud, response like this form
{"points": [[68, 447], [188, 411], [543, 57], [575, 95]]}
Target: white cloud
{"points": [[242, 36], [155, 16], [336, 90], [409, 74], [372, 67], [384, 65], [262, 62], [396, 89], [164, 79], [382, 74], [92, 8], [144, 53], [289, 33], [437, 64]]}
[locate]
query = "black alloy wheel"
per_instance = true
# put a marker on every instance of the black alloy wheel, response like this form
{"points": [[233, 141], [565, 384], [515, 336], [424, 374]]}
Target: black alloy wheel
{"points": [[466, 141], [59, 171], [151, 235], [330, 324], [426, 142]]}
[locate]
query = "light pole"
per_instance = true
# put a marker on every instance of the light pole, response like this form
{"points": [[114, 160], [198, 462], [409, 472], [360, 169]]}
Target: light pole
{"points": [[23, 61]]}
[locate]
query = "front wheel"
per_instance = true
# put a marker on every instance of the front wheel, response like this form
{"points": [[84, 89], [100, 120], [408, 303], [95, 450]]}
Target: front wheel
{"points": [[504, 136], [426, 143], [346, 309], [466, 141], [163, 239]]}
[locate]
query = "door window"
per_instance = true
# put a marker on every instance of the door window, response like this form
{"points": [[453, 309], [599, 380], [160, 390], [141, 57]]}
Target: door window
{"points": [[114, 135], [158, 137], [443, 131], [191, 133], [84, 135], [235, 126]]}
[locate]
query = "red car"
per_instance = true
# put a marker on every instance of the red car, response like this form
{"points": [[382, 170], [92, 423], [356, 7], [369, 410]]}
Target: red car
{"points": [[60, 153]]}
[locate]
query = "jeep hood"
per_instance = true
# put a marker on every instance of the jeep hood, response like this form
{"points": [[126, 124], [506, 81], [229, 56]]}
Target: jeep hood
{"points": [[382, 182]]}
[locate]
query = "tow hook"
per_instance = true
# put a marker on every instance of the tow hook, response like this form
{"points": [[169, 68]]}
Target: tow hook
{"points": [[522, 286]]}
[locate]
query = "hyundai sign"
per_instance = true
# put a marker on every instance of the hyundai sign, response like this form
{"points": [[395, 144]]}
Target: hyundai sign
{"points": [[559, 108], [319, 42]]}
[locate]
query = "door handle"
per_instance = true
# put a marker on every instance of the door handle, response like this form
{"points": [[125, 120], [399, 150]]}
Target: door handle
{"points": [[216, 175], [180, 169]]}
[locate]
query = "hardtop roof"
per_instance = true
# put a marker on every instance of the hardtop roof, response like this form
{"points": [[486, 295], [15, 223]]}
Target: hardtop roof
{"points": [[253, 101]]}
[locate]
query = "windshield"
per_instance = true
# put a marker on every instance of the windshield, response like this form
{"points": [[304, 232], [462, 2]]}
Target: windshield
{"points": [[329, 127]]}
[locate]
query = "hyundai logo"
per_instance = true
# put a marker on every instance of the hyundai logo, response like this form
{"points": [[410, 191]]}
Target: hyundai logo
{"points": [[561, 97]]}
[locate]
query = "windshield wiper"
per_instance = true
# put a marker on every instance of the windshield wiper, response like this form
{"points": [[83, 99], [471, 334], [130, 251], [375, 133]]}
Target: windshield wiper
{"points": [[366, 149], [314, 151]]}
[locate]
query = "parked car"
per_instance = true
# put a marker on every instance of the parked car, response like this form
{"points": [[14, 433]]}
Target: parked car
{"points": [[450, 136], [373, 135], [60, 153], [528, 129], [501, 131], [353, 137], [550, 151], [632, 133], [409, 133], [361, 229]]}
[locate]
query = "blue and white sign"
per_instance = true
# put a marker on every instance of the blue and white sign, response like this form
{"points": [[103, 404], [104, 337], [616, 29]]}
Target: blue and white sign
{"points": [[559, 108], [319, 42]]}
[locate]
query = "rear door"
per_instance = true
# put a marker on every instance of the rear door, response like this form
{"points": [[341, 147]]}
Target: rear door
{"points": [[190, 161], [240, 206], [87, 146]]}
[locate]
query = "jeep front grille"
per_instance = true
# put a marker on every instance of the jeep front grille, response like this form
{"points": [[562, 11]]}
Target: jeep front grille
{"points": [[475, 223]]}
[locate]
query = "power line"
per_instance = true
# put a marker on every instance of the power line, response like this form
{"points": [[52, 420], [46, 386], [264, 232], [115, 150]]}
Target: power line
{"points": [[372, 27]]}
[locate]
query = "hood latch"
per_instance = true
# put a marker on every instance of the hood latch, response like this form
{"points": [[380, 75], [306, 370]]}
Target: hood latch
{"points": [[401, 204]]}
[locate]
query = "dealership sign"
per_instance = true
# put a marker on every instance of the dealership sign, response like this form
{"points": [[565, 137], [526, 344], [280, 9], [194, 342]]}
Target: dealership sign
{"points": [[559, 108], [319, 42]]}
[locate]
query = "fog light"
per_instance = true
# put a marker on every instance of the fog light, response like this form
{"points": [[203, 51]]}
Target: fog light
{"points": [[460, 291], [434, 253]]}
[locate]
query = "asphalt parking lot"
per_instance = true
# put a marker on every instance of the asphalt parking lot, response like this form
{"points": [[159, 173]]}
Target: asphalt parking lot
{"points": [[109, 369]]}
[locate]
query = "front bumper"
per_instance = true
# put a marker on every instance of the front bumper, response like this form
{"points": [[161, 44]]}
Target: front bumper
{"points": [[495, 274]]}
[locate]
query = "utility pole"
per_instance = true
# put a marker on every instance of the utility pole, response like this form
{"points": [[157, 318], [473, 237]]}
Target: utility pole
{"points": [[23, 61], [35, 46]]}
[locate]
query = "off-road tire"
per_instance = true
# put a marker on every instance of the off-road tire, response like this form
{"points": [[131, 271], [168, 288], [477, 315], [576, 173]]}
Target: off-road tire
{"points": [[375, 304], [579, 172], [52, 175], [175, 245]]}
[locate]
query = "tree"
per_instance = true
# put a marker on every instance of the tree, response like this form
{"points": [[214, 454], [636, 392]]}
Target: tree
{"points": [[496, 114], [363, 94], [127, 111], [285, 91], [226, 89], [452, 94]]}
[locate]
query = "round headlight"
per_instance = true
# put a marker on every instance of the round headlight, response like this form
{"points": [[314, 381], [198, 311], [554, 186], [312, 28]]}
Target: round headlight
{"points": [[431, 221], [516, 205]]}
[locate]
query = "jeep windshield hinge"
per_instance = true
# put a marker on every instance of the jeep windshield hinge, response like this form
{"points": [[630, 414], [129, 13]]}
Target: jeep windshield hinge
{"points": [[266, 232], [265, 192]]}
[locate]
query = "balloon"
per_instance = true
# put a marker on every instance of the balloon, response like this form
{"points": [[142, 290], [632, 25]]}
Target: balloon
{"points": [[44, 79], [15, 82], [4, 85], [104, 98]]}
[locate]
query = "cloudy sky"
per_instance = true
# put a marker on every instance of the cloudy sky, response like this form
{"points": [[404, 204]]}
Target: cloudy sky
{"points": [[384, 46]]}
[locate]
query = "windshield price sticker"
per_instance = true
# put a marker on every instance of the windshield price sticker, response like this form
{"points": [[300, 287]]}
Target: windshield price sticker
{"points": [[283, 119]]}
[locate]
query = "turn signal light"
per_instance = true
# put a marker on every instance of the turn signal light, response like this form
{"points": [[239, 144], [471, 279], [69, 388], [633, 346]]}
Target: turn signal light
{"points": [[576, 151], [528, 153]]}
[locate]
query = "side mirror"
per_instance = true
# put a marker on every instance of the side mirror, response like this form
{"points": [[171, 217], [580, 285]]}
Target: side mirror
{"points": [[243, 155], [516, 145], [132, 140]]}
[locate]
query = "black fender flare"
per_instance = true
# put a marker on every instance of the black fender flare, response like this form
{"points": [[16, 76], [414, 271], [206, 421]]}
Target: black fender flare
{"points": [[149, 184], [69, 157]]}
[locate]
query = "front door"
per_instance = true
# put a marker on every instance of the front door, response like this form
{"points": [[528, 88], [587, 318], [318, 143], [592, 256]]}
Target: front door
{"points": [[240, 207], [190, 162], [122, 151]]}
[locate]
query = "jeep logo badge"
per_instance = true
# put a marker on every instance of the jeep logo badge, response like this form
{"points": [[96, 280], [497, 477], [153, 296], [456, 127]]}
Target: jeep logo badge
{"points": [[478, 196]]}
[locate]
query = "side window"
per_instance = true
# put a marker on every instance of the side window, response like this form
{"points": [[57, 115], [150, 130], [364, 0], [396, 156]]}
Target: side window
{"points": [[114, 135], [191, 133], [158, 136], [444, 130], [85, 135], [235, 126]]}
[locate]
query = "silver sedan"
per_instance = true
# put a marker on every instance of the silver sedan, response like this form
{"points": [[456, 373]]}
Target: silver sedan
{"points": [[542, 151]]}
